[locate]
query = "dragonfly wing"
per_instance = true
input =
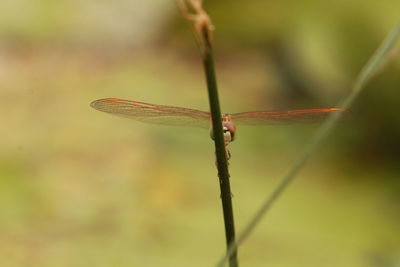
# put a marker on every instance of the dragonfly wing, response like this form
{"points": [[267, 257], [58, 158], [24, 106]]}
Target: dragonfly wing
{"points": [[151, 113], [282, 117]]}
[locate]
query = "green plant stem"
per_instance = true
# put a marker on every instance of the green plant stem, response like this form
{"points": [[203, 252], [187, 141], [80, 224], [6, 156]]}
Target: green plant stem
{"points": [[370, 69], [220, 152]]}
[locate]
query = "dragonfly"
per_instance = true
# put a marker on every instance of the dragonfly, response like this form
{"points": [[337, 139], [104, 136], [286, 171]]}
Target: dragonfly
{"points": [[179, 116]]}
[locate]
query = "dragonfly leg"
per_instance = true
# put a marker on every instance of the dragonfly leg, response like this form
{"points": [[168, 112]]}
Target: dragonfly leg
{"points": [[228, 154]]}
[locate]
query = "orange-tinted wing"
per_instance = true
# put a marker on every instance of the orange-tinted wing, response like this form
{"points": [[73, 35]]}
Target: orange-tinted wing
{"points": [[151, 113], [282, 117]]}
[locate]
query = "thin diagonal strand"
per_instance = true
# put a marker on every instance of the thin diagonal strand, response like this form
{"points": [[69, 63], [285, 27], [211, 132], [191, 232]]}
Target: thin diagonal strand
{"points": [[373, 64]]}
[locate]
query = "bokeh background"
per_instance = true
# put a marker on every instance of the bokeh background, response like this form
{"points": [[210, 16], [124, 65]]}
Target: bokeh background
{"points": [[83, 188]]}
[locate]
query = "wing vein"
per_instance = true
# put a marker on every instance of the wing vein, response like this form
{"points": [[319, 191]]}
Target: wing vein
{"points": [[152, 113]]}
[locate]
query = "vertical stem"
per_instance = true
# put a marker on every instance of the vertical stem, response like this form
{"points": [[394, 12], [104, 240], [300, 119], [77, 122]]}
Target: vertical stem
{"points": [[220, 152]]}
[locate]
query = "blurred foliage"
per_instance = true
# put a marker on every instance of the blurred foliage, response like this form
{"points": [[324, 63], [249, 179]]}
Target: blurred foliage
{"points": [[80, 188]]}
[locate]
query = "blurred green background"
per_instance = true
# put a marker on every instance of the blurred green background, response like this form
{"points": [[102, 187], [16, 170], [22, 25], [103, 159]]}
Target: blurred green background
{"points": [[82, 188]]}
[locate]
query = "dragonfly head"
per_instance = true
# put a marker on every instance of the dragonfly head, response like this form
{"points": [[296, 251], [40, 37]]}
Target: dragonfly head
{"points": [[228, 128]]}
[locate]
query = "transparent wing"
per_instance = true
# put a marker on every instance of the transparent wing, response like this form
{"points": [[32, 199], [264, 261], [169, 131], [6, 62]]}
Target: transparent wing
{"points": [[151, 113], [282, 117]]}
